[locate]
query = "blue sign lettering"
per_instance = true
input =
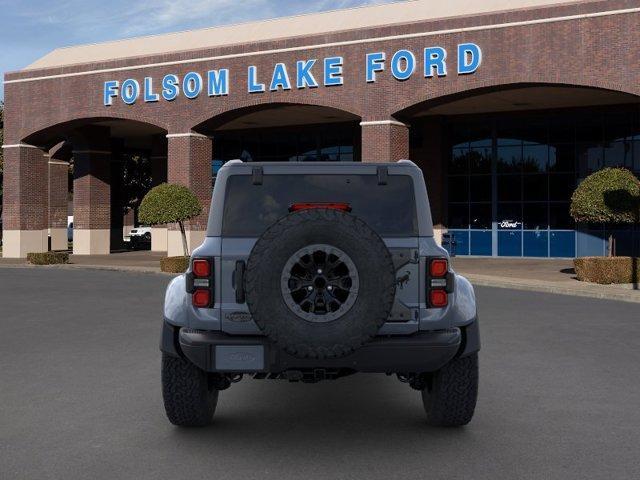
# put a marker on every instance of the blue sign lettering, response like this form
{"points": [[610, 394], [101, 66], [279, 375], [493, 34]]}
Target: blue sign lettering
{"points": [[218, 82], [375, 63], [333, 71], [149, 96], [110, 92], [130, 91], [254, 86], [280, 78], [435, 59], [192, 85], [403, 64], [402, 67], [469, 58], [304, 76], [170, 88]]}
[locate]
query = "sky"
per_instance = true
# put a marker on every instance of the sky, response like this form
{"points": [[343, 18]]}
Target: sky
{"points": [[31, 28]]}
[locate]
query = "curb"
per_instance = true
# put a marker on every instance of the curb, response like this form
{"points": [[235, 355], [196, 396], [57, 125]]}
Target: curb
{"points": [[603, 292], [73, 266]]}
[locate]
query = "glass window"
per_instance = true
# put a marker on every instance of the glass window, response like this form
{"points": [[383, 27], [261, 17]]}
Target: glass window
{"points": [[480, 186], [535, 187], [561, 186], [509, 188], [510, 244], [535, 244], [458, 215], [618, 154], [481, 242], [510, 159], [459, 188], [618, 126], [535, 158], [562, 244], [480, 160], [307, 144], [250, 209], [480, 218], [509, 216], [559, 217], [535, 216], [459, 161], [562, 158], [590, 129]]}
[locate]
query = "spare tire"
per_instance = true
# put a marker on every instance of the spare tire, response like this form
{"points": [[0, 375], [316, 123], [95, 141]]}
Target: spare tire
{"points": [[320, 283]]}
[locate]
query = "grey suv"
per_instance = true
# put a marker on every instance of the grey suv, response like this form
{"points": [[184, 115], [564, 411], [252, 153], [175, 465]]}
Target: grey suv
{"points": [[316, 271]]}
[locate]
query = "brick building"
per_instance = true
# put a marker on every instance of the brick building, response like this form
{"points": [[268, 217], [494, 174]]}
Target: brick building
{"points": [[504, 104]]}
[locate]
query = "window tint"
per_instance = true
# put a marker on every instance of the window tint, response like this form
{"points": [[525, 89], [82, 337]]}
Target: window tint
{"points": [[388, 209]]}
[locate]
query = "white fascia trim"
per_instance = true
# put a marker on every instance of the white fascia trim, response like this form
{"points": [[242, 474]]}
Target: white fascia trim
{"points": [[58, 162], [21, 145], [337, 44], [384, 122], [190, 134]]}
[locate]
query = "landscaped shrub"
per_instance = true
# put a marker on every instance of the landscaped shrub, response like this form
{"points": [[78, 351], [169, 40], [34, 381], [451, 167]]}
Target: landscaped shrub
{"points": [[611, 195], [174, 264], [48, 258], [608, 270], [168, 203]]}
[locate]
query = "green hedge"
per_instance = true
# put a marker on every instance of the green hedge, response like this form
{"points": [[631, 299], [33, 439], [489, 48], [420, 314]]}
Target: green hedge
{"points": [[174, 264], [48, 258], [607, 270]]}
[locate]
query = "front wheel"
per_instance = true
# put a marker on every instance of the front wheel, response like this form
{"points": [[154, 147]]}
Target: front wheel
{"points": [[450, 394], [190, 398]]}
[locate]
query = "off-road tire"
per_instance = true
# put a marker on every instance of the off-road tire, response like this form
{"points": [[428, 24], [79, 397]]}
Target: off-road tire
{"points": [[450, 395], [189, 397], [376, 291]]}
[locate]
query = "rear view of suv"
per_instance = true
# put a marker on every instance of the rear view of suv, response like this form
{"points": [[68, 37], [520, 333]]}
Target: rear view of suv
{"points": [[317, 271]]}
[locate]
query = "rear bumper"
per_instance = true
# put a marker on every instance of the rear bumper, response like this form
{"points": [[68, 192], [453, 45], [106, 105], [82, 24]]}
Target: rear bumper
{"points": [[218, 352]]}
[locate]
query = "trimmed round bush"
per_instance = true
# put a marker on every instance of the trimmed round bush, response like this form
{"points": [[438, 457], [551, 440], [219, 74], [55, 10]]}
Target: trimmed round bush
{"points": [[611, 195], [174, 264], [168, 203], [48, 258], [608, 270]]}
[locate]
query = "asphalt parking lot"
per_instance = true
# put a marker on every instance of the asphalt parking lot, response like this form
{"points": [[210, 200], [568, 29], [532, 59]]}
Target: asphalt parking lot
{"points": [[80, 396]]}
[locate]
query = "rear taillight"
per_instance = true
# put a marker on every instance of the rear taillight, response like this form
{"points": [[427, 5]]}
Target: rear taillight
{"points": [[201, 268], [200, 282], [296, 207], [439, 282], [201, 298]]}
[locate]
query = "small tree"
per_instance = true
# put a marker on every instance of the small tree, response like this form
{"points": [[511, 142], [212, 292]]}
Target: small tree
{"points": [[611, 195], [170, 204]]}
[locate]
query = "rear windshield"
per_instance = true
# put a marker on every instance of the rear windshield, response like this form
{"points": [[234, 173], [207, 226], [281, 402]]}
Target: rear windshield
{"points": [[388, 209]]}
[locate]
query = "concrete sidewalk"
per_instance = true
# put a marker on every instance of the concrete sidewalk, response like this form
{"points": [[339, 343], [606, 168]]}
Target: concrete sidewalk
{"points": [[135, 261], [540, 275]]}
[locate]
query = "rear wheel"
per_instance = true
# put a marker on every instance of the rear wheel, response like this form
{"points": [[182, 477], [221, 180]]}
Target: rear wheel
{"points": [[450, 394], [190, 398]]}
